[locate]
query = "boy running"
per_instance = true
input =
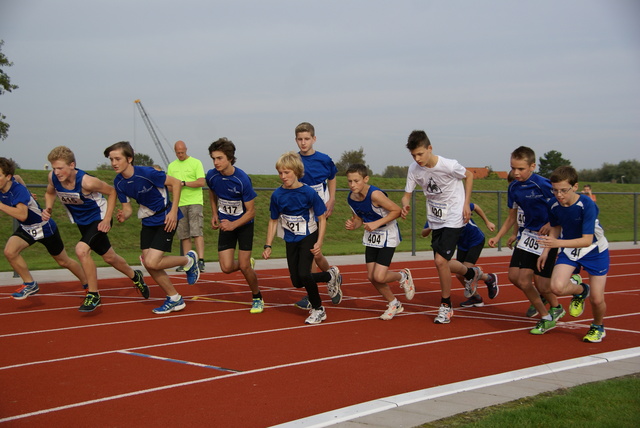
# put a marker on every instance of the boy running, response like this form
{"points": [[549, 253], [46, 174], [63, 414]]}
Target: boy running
{"points": [[81, 195], [320, 175], [159, 219], [575, 229], [447, 186], [233, 210], [299, 214], [531, 192], [470, 245], [17, 202], [373, 210]]}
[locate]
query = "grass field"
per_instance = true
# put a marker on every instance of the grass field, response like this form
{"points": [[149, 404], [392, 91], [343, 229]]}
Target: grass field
{"points": [[610, 403], [616, 215]]}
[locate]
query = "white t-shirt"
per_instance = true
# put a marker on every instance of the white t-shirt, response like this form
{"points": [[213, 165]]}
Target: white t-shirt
{"points": [[442, 185]]}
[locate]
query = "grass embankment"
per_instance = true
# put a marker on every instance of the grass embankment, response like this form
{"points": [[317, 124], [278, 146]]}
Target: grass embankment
{"points": [[610, 403], [616, 216]]}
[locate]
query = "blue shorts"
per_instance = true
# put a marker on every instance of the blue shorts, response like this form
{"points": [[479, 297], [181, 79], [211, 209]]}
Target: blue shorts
{"points": [[594, 262]]}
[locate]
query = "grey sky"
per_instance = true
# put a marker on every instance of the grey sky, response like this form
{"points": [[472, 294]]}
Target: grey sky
{"points": [[481, 78]]}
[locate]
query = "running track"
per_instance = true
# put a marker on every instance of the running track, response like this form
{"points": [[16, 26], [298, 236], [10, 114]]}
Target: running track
{"points": [[215, 364]]}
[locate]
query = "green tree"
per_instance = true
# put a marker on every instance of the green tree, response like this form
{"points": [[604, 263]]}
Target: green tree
{"points": [[5, 86], [141, 159], [550, 161], [392, 171], [349, 158]]}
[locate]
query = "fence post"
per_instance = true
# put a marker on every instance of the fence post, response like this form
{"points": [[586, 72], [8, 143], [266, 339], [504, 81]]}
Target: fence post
{"points": [[635, 219], [16, 225], [413, 223]]}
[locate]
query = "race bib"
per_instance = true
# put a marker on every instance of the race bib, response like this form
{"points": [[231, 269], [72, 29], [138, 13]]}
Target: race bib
{"points": [[227, 207], [529, 242], [520, 217], [319, 188], [575, 254], [35, 231], [375, 238], [436, 211], [70, 198], [295, 224]]}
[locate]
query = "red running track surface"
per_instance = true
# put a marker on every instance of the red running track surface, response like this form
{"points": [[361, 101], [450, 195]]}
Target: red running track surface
{"points": [[216, 364]]}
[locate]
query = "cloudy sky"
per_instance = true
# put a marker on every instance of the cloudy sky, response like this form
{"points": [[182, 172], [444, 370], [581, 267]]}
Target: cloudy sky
{"points": [[480, 77]]}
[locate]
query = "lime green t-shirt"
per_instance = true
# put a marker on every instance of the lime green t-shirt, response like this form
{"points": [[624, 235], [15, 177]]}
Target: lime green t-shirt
{"points": [[189, 169]]}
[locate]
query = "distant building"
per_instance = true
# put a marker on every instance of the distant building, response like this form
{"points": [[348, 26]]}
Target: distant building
{"points": [[483, 172]]}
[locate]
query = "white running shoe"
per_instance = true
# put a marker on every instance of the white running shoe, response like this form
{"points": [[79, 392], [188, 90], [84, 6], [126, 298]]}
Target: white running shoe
{"points": [[444, 315], [407, 285], [471, 285], [316, 316], [392, 310], [333, 286]]}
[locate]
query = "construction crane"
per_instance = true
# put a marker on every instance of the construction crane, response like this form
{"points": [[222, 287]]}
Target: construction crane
{"points": [[152, 131]]}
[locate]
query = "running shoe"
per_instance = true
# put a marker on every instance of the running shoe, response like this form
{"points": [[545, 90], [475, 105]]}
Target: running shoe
{"points": [[492, 285], [532, 311], [316, 316], [170, 306], [201, 265], [257, 306], [444, 315], [333, 286], [138, 283], [543, 326], [557, 312], [253, 263], [303, 303], [576, 307], [595, 334], [193, 273], [576, 279], [474, 300], [25, 291], [91, 302], [407, 285], [180, 269], [392, 310], [471, 285]]}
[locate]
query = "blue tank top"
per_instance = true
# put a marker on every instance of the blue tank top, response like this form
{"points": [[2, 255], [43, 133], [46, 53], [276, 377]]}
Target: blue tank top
{"points": [[82, 208]]}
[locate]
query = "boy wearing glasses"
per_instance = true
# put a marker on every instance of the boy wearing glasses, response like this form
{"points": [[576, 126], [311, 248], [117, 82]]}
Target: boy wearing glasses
{"points": [[575, 229], [531, 192]]}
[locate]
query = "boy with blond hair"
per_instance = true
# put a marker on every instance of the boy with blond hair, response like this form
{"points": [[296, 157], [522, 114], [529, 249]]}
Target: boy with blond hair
{"points": [[298, 213], [82, 197]]}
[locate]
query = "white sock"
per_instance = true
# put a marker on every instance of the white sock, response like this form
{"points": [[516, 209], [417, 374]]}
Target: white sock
{"points": [[175, 297], [403, 276], [394, 303]]}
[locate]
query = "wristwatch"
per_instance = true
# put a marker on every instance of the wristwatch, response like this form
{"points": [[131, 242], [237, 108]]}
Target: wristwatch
{"points": [[267, 246], [183, 183]]}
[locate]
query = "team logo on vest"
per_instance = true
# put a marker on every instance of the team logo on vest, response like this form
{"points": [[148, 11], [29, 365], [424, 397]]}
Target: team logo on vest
{"points": [[432, 187]]}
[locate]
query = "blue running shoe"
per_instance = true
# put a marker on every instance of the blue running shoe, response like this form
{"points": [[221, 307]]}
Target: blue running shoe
{"points": [[303, 303], [193, 273], [170, 306], [492, 285], [25, 291]]}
